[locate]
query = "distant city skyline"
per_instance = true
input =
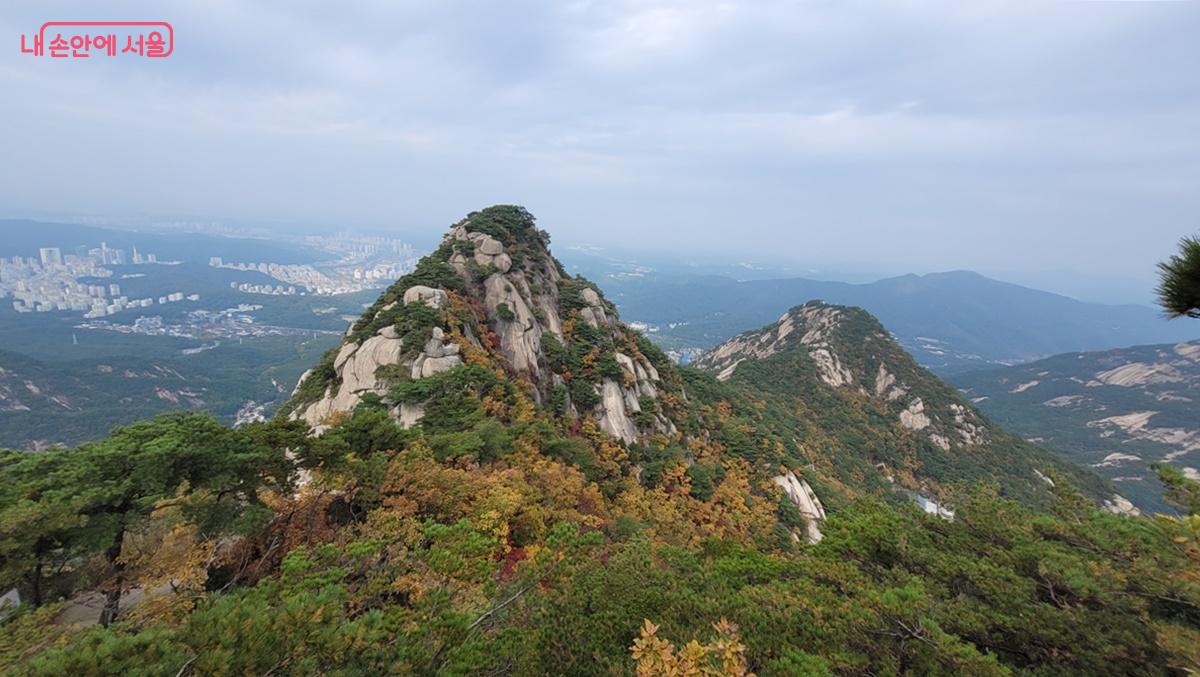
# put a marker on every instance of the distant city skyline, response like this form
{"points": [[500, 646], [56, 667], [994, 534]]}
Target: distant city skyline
{"points": [[1008, 139]]}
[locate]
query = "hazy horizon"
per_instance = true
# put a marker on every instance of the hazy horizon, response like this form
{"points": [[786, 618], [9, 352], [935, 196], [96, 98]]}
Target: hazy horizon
{"points": [[598, 261], [1026, 143]]}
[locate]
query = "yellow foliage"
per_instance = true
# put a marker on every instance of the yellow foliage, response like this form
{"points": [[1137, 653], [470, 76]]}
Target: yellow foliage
{"points": [[474, 355], [516, 500], [495, 404], [522, 409], [724, 411], [170, 564], [704, 450], [335, 418], [672, 515], [722, 657], [589, 360], [676, 480]]}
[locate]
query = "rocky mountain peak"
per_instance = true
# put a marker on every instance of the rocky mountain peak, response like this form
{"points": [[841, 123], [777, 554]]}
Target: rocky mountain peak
{"points": [[491, 295], [846, 348]]}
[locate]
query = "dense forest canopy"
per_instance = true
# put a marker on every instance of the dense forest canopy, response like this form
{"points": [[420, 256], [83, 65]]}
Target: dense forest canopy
{"points": [[491, 550]]}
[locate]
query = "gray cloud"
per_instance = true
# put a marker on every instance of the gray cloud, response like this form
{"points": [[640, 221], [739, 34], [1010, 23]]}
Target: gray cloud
{"points": [[997, 136]]}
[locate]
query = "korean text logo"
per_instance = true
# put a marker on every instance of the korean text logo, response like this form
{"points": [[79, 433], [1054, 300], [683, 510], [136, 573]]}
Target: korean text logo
{"points": [[85, 39]]}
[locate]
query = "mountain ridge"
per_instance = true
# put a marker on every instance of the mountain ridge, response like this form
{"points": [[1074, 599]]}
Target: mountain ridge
{"points": [[950, 321], [838, 358]]}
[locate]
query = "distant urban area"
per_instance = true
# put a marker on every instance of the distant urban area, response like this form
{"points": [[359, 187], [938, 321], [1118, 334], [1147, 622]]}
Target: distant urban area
{"points": [[84, 280], [52, 281], [363, 263]]}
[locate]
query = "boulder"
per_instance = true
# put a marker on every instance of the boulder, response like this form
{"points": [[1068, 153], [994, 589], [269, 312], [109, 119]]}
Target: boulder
{"points": [[433, 348], [914, 417], [594, 314], [358, 371], [503, 262], [344, 354], [500, 261], [317, 413], [435, 298], [1119, 505], [436, 365], [626, 363], [408, 414], [355, 366], [489, 245], [806, 501]]}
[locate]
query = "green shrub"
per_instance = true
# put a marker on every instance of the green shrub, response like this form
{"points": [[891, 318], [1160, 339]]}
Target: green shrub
{"points": [[704, 480], [583, 394], [452, 399], [608, 367]]}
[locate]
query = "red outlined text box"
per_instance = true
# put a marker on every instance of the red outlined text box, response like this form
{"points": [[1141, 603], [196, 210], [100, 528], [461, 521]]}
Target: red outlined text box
{"points": [[165, 49]]}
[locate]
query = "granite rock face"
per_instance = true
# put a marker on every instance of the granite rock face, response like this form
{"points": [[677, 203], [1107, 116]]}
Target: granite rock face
{"points": [[519, 289], [355, 366], [806, 501]]}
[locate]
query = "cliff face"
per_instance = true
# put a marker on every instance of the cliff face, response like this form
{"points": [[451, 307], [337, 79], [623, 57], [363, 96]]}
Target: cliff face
{"points": [[492, 295]]}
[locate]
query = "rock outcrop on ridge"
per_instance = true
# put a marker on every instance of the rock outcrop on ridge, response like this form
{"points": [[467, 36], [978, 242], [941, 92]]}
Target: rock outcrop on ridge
{"points": [[492, 293], [839, 364], [819, 331]]}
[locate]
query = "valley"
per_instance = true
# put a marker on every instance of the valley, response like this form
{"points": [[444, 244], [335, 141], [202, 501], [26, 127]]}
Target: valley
{"points": [[1116, 411], [143, 323]]}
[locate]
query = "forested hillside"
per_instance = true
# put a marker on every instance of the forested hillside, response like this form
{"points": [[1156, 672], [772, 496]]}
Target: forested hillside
{"points": [[851, 397], [1117, 411], [44, 403]]}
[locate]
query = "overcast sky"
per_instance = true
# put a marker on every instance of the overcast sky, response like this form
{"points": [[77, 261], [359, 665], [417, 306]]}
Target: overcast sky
{"points": [[1007, 136]]}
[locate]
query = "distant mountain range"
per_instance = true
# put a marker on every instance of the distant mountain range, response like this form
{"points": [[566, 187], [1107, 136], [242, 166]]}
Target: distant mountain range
{"points": [[950, 322], [1117, 411]]}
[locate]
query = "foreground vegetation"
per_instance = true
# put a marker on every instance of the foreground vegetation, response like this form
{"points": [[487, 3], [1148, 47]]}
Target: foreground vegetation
{"points": [[512, 546]]}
